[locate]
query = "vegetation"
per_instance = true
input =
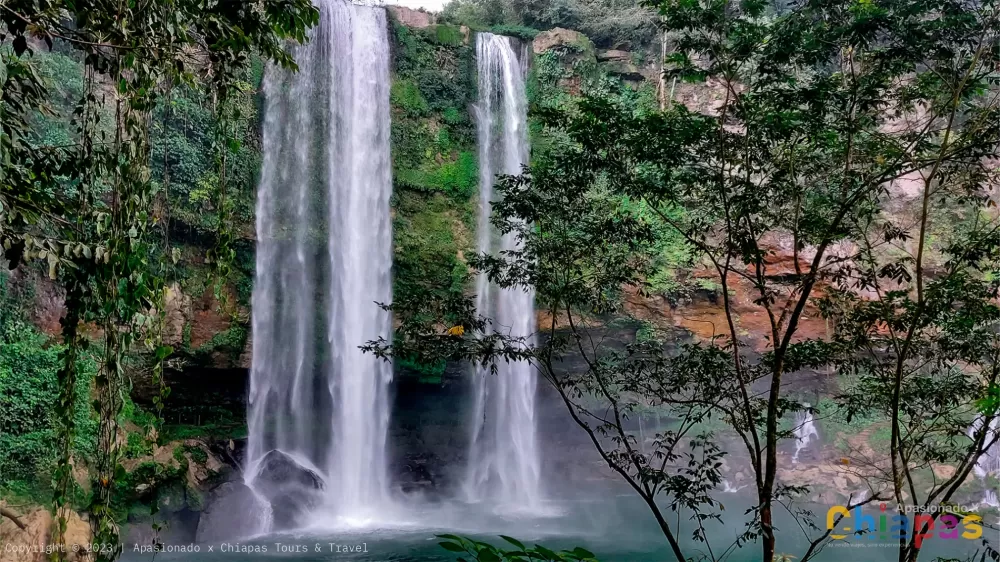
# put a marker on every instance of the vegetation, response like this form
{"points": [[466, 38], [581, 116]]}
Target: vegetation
{"points": [[29, 365], [860, 134], [435, 172], [485, 552], [821, 113], [627, 24], [88, 209]]}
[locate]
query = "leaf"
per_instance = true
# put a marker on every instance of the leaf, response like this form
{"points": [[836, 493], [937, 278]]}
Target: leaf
{"points": [[163, 352], [20, 45], [488, 556], [451, 546], [546, 552], [513, 541]]}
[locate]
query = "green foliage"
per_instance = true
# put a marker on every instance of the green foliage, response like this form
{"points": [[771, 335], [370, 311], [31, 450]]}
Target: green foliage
{"points": [[446, 34], [521, 32], [435, 170], [231, 341], [430, 234], [29, 391], [91, 211], [458, 177], [649, 333], [137, 446], [182, 158], [405, 96], [477, 14], [485, 552], [198, 454], [444, 73], [427, 372]]}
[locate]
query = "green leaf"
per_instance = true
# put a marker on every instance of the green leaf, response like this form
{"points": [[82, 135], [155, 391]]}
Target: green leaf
{"points": [[513, 541], [487, 556], [452, 546]]}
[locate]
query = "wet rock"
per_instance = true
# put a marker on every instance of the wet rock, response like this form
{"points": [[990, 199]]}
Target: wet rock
{"points": [[292, 489], [217, 521]]}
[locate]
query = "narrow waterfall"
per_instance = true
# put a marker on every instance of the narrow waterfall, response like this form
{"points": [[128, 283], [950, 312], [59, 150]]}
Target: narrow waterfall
{"points": [[503, 457], [805, 431], [318, 410], [989, 462]]}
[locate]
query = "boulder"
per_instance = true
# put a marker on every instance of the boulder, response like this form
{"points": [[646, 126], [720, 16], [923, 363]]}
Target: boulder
{"points": [[24, 545], [292, 489], [412, 18], [560, 37]]}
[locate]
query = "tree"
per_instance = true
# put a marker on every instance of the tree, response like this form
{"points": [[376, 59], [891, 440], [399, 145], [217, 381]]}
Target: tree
{"points": [[88, 210], [820, 111]]}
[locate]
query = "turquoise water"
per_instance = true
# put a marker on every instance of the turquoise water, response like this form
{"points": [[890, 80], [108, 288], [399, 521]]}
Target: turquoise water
{"points": [[617, 528]]}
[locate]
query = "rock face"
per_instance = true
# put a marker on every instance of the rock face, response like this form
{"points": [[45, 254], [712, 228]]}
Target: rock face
{"points": [[291, 489], [614, 55], [29, 545], [560, 37], [178, 311], [411, 18]]}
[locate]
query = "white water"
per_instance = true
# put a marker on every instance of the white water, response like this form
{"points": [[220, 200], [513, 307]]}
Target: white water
{"points": [[728, 488], [805, 431], [323, 261], [989, 462], [503, 456]]}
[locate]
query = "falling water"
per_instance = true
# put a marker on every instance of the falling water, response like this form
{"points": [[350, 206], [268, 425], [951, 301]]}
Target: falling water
{"points": [[318, 409], [805, 431], [989, 462], [503, 462]]}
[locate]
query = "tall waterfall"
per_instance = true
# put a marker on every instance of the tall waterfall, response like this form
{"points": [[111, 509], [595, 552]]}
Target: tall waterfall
{"points": [[503, 462], [318, 410]]}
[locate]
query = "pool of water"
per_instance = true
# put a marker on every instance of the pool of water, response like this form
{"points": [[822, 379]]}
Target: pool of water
{"points": [[615, 527]]}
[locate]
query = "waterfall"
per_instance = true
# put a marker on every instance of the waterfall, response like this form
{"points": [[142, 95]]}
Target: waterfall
{"points": [[503, 459], [805, 431], [989, 462], [317, 408]]}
